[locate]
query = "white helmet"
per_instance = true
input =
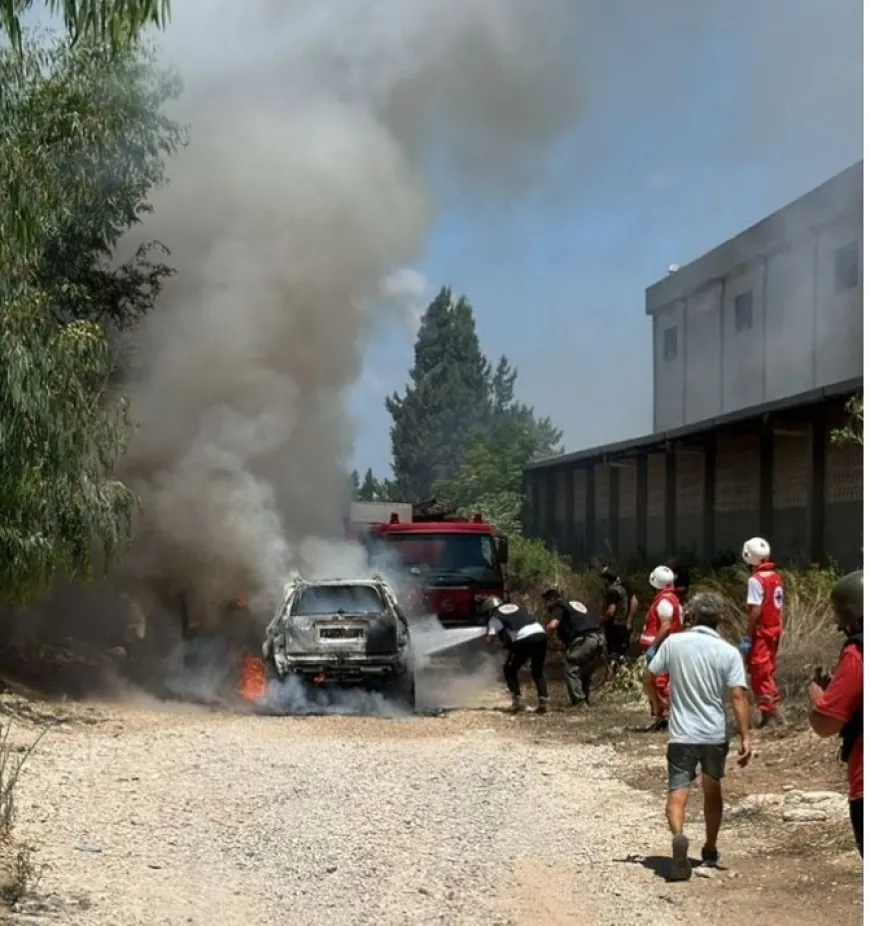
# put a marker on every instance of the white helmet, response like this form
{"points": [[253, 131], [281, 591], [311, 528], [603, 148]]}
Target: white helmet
{"points": [[661, 577], [755, 551]]}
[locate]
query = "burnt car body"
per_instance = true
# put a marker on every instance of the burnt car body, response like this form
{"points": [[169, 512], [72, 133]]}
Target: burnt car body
{"points": [[348, 632]]}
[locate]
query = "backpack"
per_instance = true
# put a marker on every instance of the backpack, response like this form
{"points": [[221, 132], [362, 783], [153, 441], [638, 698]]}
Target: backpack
{"points": [[852, 731]]}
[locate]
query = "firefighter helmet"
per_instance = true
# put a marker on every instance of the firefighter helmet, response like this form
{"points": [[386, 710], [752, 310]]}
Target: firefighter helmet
{"points": [[756, 550], [661, 577], [488, 605], [847, 599]]}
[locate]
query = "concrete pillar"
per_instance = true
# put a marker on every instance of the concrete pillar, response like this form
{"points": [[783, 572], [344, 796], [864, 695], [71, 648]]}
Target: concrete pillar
{"points": [[816, 507], [590, 510], [671, 501], [550, 515], [570, 540], [710, 497], [642, 506], [613, 512], [765, 474]]}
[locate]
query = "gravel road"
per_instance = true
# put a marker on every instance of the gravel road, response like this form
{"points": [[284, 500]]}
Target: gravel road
{"points": [[151, 816]]}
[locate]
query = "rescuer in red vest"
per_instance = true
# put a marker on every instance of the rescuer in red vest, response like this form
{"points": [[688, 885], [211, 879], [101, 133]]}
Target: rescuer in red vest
{"points": [[765, 620], [665, 616]]}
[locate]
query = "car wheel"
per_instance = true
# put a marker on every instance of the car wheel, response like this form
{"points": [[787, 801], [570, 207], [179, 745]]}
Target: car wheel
{"points": [[271, 672], [403, 690]]}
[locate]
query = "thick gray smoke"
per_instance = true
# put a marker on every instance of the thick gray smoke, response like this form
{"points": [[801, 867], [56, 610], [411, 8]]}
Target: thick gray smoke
{"points": [[292, 217]]}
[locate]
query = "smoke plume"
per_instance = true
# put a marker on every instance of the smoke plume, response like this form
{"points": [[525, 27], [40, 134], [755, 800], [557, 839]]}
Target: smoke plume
{"points": [[292, 219]]}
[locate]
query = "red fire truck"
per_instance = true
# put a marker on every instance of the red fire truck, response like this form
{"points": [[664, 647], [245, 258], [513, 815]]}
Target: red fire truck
{"points": [[450, 563]]}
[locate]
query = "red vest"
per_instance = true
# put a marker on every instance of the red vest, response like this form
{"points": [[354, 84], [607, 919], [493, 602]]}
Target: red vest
{"points": [[654, 623], [774, 595]]}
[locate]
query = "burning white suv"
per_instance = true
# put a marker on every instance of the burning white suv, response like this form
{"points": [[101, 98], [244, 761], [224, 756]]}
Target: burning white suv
{"points": [[349, 632]]}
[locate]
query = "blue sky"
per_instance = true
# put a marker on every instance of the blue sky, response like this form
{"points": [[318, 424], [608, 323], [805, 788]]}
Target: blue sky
{"points": [[695, 128]]}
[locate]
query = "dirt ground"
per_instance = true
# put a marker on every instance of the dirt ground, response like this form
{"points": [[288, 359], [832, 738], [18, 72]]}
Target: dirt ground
{"points": [[145, 812], [774, 872]]}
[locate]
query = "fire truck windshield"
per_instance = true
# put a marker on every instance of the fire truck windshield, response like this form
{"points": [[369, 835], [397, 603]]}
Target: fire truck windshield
{"points": [[462, 557]]}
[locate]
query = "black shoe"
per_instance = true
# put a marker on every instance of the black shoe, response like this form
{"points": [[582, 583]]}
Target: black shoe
{"points": [[681, 867], [710, 857]]}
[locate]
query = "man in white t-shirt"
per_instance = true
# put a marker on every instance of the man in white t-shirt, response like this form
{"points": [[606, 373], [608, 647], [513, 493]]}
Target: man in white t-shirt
{"points": [[705, 671]]}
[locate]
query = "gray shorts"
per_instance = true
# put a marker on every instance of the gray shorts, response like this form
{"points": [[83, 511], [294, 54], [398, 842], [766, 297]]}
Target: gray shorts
{"points": [[684, 759]]}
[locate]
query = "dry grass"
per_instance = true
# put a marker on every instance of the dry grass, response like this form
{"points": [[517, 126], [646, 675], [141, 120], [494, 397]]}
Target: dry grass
{"points": [[810, 638], [17, 873]]}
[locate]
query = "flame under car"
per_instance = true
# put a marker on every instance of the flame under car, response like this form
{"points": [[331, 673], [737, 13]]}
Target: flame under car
{"points": [[347, 632]]}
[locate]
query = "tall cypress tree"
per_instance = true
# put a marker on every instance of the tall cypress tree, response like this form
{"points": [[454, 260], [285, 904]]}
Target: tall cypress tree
{"points": [[545, 436], [370, 490], [447, 403]]}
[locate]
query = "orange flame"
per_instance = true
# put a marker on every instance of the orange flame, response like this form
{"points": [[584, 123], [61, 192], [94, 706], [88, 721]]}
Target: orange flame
{"points": [[252, 684]]}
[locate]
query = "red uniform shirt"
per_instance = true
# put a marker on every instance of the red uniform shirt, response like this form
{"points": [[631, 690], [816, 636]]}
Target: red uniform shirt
{"points": [[653, 624], [773, 596], [839, 702]]}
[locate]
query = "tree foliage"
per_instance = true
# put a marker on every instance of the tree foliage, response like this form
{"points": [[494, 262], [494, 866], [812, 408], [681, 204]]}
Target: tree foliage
{"points": [[114, 22], [82, 141], [491, 478], [446, 405], [459, 430], [371, 490], [853, 431]]}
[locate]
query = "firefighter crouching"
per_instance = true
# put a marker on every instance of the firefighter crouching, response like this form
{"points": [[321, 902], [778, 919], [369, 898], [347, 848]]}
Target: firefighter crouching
{"points": [[665, 616], [583, 639], [765, 621], [525, 641]]}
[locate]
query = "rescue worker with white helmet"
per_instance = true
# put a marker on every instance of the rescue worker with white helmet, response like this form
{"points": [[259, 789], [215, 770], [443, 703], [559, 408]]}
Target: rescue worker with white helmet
{"points": [[525, 640], [665, 616], [765, 621]]}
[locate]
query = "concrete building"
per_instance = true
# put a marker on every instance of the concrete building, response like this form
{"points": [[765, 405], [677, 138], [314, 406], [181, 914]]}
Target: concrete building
{"points": [[757, 347], [776, 311]]}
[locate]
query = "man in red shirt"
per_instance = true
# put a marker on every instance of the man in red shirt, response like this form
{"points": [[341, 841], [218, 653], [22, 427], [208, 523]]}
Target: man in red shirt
{"points": [[837, 704], [765, 620]]}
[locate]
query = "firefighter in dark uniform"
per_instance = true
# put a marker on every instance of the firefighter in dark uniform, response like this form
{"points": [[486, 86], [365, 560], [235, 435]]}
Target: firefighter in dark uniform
{"points": [[525, 641], [620, 605], [682, 580], [581, 636]]}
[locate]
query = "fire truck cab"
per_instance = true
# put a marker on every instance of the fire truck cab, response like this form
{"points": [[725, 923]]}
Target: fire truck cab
{"points": [[450, 564]]}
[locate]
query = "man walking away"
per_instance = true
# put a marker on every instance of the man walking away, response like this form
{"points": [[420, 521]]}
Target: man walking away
{"points": [[582, 638], [620, 606], [837, 704], [764, 608], [665, 617], [525, 641], [702, 667]]}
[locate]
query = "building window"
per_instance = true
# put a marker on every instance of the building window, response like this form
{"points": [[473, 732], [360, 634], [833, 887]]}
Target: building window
{"points": [[743, 311], [846, 267], [670, 339]]}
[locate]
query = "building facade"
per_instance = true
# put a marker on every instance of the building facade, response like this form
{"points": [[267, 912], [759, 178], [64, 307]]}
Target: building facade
{"points": [[774, 312], [758, 349]]}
